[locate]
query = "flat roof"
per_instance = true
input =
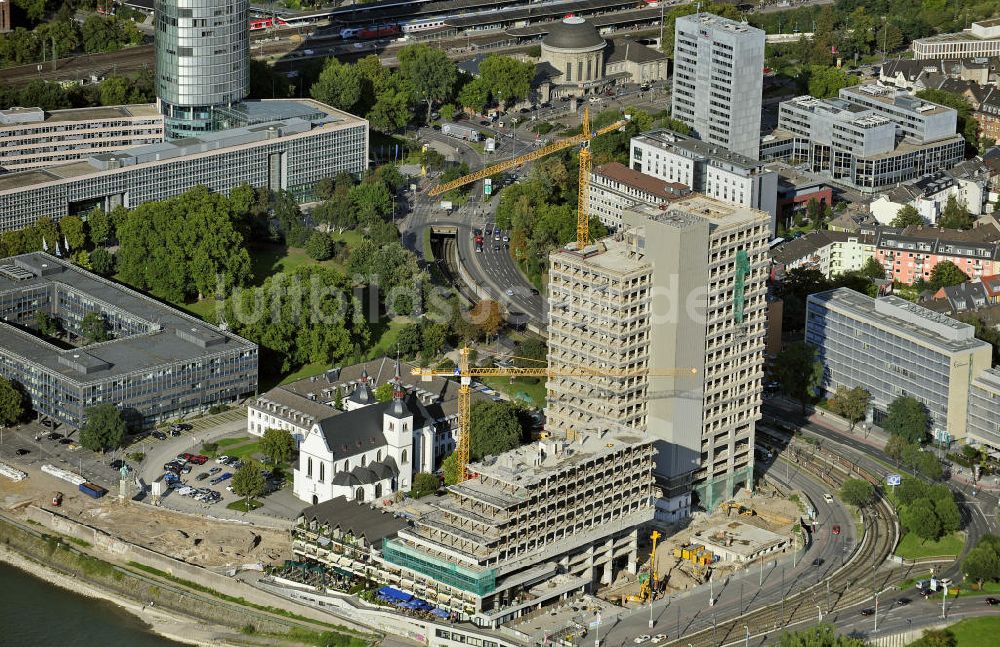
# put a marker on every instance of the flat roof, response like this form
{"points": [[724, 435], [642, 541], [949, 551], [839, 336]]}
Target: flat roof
{"points": [[169, 336], [286, 117], [25, 117], [891, 97], [666, 139], [899, 316], [610, 254]]}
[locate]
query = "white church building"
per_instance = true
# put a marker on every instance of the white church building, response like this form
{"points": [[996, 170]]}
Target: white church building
{"points": [[352, 445]]}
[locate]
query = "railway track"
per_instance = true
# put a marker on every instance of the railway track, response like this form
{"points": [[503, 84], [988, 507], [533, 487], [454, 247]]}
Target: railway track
{"points": [[850, 585]]}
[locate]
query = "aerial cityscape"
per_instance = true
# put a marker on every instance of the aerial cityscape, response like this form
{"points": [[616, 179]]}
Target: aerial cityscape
{"points": [[535, 323]]}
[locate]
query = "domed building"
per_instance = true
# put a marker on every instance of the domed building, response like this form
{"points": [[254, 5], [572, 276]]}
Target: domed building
{"points": [[576, 60], [575, 49]]}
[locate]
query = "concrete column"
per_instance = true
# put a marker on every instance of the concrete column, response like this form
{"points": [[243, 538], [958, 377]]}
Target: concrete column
{"points": [[427, 439], [607, 575]]}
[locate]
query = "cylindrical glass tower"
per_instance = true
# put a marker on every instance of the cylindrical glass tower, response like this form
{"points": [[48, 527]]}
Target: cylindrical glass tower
{"points": [[202, 60]]}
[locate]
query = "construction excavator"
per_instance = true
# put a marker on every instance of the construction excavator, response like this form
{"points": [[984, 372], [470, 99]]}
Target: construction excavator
{"points": [[465, 372], [586, 134]]}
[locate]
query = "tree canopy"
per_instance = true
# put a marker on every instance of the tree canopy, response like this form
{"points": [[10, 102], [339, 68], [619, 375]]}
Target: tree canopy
{"points": [[249, 481], [429, 72], [508, 79], [908, 216], [424, 483], [955, 215], [818, 636], [278, 444], [944, 274], [12, 402], [799, 372], [495, 429], [908, 418], [851, 403], [103, 429], [982, 564], [857, 492], [182, 247]]}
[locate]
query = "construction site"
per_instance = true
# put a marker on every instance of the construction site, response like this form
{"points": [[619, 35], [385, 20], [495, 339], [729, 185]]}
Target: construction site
{"points": [[730, 539]]}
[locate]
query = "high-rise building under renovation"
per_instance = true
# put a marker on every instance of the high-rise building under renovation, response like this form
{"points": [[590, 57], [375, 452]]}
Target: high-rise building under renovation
{"points": [[202, 62], [678, 287], [718, 80]]}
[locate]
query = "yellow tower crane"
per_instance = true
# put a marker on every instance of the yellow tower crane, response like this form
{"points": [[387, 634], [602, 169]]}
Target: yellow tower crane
{"points": [[582, 218], [652, 562], [465, 373]]}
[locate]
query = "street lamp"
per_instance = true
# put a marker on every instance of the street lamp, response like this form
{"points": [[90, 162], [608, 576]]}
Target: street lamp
{"points": [[820, 610], [746, 643]]}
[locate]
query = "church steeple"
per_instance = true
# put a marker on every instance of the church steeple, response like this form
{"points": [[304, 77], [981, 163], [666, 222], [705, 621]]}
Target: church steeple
{"points": [[398, 394]]}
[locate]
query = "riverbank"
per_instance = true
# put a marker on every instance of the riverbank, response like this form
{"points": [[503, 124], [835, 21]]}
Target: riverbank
{"points": [[169, 626]]}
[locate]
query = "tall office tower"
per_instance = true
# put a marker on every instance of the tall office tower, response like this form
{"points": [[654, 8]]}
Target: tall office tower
{"points": [[677, 287], [202, 62], [718, 78]]}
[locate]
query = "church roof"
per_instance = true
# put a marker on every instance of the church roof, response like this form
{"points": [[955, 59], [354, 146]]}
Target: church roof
{"points": [[352, 432], [361, 520]]}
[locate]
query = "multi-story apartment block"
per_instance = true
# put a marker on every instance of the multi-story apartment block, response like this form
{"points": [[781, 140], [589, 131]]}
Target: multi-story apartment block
{"points": [[911, 254], [869, 137], [982, 39], [32, 138], [158, 363], [291, 145], [830, 252], [678, 287], [718, 81], [706, 168], [891, 348], [984, 410], [615, 187], [535, 525]]}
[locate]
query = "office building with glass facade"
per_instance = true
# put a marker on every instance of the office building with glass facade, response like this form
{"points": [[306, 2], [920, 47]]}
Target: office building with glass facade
{"points": [[202, 62], [892, 348], [289, 145], [155, 363], [984, 410]]}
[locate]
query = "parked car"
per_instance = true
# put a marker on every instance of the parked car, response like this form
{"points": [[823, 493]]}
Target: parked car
{"points": [[222, 460], [902, 602], [172, 467], [186, 469], [202, 476], [187, 490], [868, 612], [22, 451], [215, 470], [818, 561], [159, 435], [225, 476], [175, 432], [55, 436]]}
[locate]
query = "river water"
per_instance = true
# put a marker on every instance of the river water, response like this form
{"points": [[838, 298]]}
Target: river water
{"points": [[34, 613]]}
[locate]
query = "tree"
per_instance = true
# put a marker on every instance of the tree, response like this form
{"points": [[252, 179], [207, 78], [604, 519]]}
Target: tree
{"points": [[101, 226], [509, 79], [278, 444], [450, 468], [424, 483], [857, 492], [338, 399], [799, 372], [383, 392], [851, 403], [907, 417], [94, 328], [873, 269], [495, 429], [936, 638], [249, 481], [72, 229], [946, 274], [338, 85], [948, 514], [824, 81], [429, 72], [487, 317], [983, 562], [909, 490], [372, 201], [818, 636], [907, 216], [45, 324], [12, 402], [102, 261], [319, 247], [103, 429], [955, 215], [474, 95], [114, 90], [919, 518]]}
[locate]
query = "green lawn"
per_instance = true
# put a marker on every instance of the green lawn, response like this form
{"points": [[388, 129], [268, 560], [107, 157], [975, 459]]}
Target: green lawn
{"points": [[241, 447], [533, 387], [912, 547], [976, 632], [241, 505]]}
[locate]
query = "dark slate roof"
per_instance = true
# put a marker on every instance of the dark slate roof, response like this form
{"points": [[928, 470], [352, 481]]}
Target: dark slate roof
{"points": [[350, 432], [573, 33], [965, 296], [360, 520], [629, 50]]}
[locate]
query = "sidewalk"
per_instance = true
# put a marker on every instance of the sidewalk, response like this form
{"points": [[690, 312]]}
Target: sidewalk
{"points": [[873, 436]]}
